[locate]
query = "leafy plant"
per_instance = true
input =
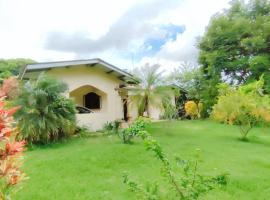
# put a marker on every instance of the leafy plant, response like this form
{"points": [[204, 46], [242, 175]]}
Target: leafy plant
{"points": [[188, 185], [112, 127], [133, 130], [10, 149], [244, 106], [45, 114]]}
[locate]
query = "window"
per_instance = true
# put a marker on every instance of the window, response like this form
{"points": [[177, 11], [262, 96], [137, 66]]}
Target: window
{"points": [[92, 100]]}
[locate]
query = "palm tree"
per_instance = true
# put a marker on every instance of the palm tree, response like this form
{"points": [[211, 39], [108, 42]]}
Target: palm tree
{"points": [[151, 91], [45, 114]]}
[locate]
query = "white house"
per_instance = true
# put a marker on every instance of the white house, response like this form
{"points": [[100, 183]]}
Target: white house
{"points": [[94, 84]]}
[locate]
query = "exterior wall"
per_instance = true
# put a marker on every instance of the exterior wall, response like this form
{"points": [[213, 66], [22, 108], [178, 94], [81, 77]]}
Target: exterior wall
{"points": [[97, 80]]}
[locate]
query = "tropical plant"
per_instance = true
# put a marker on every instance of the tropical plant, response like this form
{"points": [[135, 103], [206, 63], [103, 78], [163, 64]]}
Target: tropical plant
{"points": [[193, 109], [46, 115], [10, 149], [245, 106], [188, 185], [151, 90]]}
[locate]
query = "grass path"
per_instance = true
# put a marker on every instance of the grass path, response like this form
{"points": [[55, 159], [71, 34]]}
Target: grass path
{"points": [[92, 168]]}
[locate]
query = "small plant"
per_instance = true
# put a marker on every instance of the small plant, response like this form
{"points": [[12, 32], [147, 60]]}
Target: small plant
{"points": [[112, 127], [193, 109], [133, 130], [10, 149], [188, 185]]}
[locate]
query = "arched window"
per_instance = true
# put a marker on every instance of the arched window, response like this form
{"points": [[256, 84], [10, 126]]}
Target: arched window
{"points": [[92, 100]]}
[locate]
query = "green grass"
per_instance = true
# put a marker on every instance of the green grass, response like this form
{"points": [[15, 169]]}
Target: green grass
{"points": [[92, 168]]}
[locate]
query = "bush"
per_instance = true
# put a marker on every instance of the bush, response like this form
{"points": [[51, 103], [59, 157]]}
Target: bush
{"points": [[45, 115], [244, 106], [193, 109], [186, 185], [133, 130], [10, 149], [112, 127]]}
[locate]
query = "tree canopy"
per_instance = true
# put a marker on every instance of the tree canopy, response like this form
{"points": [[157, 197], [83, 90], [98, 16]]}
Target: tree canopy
{"points": [[236, 44], [12, 67]]}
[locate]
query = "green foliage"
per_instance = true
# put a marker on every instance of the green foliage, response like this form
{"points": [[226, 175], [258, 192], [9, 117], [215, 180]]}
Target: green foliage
{"points": [[188, 185], [187, 77], [236, 44], [244, 106], [151, 90], [12, 67], [133, 130], [170, 111], [112, 127], [45, 114]]}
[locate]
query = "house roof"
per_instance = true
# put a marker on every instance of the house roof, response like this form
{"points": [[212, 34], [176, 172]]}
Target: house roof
{"points": [[111, 69]]}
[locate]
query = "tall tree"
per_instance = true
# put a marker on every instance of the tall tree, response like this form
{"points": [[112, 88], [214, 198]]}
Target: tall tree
{"points": [[235, 48], [236, 45]]}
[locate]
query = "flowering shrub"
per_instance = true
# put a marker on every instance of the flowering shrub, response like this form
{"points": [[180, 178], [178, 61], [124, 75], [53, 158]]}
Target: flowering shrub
{"points": [[193, 109], [244, 106], [10, 149]]}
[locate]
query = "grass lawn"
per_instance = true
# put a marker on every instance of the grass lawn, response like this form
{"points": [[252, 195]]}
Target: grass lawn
{"points": [[92, 168]]}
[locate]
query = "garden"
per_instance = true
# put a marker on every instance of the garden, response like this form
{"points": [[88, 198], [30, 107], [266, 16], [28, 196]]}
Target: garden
{"points": [[93, 168], [211, 142]]}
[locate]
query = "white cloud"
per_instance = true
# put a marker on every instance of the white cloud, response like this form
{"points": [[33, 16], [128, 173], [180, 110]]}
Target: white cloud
{"points": [[25, 25]]}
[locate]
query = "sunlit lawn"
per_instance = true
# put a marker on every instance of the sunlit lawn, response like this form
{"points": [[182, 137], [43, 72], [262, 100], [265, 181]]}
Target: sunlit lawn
{"points": [[92, 168]]}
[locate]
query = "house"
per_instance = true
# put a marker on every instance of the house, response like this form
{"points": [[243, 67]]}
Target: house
{"points": [[94, 84]]}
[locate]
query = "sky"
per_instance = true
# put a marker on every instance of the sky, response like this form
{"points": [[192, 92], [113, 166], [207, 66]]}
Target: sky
{"points": [[125, 33]]}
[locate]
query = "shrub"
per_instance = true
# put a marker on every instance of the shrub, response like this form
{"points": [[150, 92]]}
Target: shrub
{"points": [[10, 149], [45, 114], [244, 106], [193, 109], [133, 130], [188, 185], [112, 127]]}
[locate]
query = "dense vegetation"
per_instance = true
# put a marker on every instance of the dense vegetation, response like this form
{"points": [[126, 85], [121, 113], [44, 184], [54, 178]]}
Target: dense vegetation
{"points": [[234, 49], [46, 115], [12, 67]]}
